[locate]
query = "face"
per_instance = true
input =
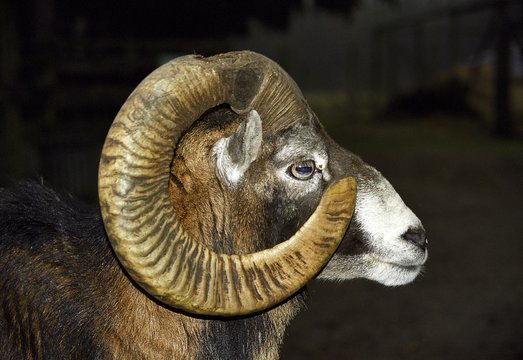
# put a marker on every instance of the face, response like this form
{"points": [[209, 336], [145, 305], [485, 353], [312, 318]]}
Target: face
{"points": [[385, 242], [288, 172]]}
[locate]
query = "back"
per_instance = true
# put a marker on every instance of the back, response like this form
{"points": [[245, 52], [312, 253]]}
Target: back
{"points": [[51, 251]]}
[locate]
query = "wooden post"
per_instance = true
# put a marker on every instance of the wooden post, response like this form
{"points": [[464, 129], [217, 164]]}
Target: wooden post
{"points": [[503, 126], [44, 47], [419, 53], [454, 39], [392, 65], [376, 69], [13, 148]]}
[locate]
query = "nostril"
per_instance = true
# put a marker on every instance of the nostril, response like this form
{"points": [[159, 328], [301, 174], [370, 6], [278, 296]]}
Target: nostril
{"points": [[416, 236]]}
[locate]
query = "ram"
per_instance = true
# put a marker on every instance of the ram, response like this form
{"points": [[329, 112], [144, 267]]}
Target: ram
{"points": [[221, 196]]}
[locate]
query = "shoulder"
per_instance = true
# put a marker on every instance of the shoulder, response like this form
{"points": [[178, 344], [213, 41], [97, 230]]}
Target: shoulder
{"points": [[30, 207], [49, 241], [34, 218], [55, 264]]}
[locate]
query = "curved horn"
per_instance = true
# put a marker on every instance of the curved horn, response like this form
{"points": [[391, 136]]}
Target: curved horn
{"points": [[134, 198]]}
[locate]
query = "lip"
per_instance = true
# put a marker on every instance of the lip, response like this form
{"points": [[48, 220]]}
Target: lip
{"points": [[408, 268], [404, 267]]}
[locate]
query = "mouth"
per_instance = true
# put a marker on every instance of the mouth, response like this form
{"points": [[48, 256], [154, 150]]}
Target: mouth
{"points": [[413, 264], [394, 273], [402, 274]]}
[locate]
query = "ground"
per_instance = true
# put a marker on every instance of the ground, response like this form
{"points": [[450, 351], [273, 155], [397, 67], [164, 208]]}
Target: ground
{"points": [[466, 187]]}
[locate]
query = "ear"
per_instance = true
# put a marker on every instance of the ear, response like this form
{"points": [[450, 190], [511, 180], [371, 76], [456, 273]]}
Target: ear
{"points": [[234, 154]]}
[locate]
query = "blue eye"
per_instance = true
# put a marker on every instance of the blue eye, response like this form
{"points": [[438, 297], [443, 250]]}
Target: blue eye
{"points": [[304, 170]]}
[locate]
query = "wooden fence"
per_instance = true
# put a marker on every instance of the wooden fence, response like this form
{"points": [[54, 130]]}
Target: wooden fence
{"points": [[408, 52]]}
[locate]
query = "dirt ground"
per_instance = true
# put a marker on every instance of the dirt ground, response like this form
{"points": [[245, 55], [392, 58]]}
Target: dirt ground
{"points": [[466, 187]]}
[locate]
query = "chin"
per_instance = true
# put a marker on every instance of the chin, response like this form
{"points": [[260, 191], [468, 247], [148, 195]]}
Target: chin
{"points": [[389, 272], [392, 274]]}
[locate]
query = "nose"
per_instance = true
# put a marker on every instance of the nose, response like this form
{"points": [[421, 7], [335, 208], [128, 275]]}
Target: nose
{"points": [[417, 236]]}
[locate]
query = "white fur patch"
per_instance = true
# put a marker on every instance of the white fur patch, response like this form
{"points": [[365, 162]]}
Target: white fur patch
{"points": [[384, 219]]}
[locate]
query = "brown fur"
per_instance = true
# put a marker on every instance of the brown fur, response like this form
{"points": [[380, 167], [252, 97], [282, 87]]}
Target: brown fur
{"points": [[226, 220], [143, 329], [206, 209]]}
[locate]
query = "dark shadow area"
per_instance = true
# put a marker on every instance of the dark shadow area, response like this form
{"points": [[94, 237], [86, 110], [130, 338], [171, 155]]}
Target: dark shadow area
{"points": [[468, 303], [448, 98]]}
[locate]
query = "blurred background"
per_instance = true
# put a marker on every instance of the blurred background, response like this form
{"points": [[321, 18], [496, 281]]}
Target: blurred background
{"points": [[429, 92]]}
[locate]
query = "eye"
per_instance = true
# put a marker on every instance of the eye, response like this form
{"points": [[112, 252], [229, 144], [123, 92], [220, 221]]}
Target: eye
{"points": [[303, 170]]}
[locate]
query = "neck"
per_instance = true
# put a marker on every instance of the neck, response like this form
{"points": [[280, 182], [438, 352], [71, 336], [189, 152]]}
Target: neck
{"points": [[254, 337], [144, 328], [210, 214]]}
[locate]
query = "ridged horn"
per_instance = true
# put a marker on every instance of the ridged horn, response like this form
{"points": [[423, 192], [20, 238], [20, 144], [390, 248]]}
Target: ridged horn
{"points": [[137, 211]]}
